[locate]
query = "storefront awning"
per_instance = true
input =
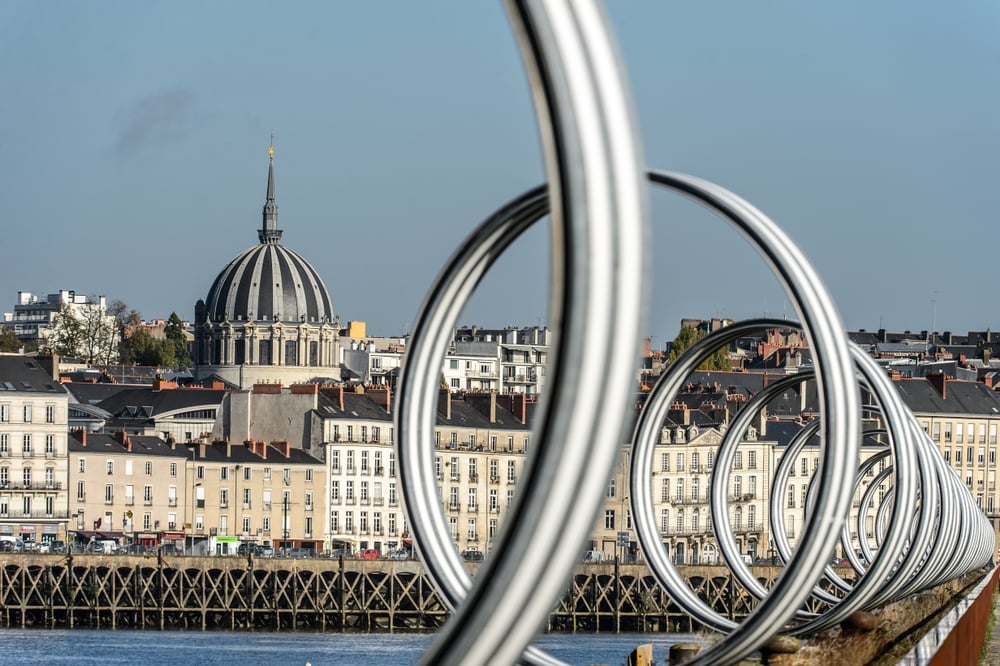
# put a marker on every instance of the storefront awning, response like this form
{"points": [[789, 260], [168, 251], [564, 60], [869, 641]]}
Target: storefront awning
{"points": [[112, 535], [172, 535], [86, 534]]}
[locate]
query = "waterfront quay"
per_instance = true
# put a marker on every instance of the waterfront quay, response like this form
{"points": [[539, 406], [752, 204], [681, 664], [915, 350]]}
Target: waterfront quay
{"points": [[316, 594]]}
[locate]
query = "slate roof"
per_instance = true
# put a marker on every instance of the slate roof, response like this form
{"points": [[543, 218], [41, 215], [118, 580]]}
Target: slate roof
{"points": [[22, 374], [92, 394], [962, 397], [464, 415], [356, 406], [141, 445]]}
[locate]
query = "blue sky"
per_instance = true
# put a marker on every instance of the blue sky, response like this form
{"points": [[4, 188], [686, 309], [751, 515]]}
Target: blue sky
{"points": [[134, 141]]}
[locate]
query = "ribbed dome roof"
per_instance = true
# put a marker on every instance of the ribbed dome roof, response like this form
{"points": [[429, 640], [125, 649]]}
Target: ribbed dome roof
{"points": [[269, 282]]}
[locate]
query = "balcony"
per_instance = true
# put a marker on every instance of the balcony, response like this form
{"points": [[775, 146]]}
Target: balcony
{"points": [[28, 453], [379, 471], [148, 501], [246, 505], [349, 501], [365, 501], [352, 470], [473, 478], [454, 506], [309, 507], [171, 526], [377, 501], [223, 504], [494, 478], [267, 506], [171, 501], [5, 453]]}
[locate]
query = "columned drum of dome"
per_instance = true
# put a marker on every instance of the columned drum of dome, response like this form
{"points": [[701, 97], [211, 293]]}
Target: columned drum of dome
{"points": [[268, 316]]}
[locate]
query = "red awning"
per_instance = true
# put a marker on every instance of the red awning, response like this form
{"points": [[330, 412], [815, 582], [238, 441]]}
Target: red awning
{"points": [[172, 535]]}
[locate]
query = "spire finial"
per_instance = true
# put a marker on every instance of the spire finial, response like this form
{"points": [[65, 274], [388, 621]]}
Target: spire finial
{"points": [[269, 232]]}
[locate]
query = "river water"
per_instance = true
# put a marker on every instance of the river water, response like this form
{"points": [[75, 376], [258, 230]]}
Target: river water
{"points": [[176, 648]]}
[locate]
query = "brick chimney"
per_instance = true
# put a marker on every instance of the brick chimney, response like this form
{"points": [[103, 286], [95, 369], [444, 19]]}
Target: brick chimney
{"points": [[283, 446], [268, 389], [940, 382], [122, 438], [304, 389], [381, 395], [80, 435]]}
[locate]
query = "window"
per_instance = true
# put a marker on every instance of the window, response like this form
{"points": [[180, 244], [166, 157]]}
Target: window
{"points": [[711, 460], [147, 521], [335, 461], [947, 432], [453, 498], [958, 456], [738, 460], [50, 413], [5, 412], [81, 490], [128, 468], [27, 477], [611, 489], [335, 491], [265, 524], [680, 520], [665, 490], [350, 433], [473, 470], [109, 494], [609, 519], [376, 434], [791, 497], [334, 521], [494, 501], [147, 494], [224, 473], [246, 524], [364, 460], [937, 432], [364, 439], [110, 467], [664, 462], [309, 500], [680, 462], [472, 499], [349, 491], [453, 528], [752, 459], [364, 492], [129, 495], [223, 498], [4, 450], [286, 474], [664, 520], [392, 523], [680, 490], [50, 445], [149, 468], [27, 413], [363, 522], [472, 529], [267, 473], [695, 490], [737, 486], [27, 445], [392, 463], [199, 473], [377, 522], [511, 471], [694, 462], [392, 494], [309, 475], [958, 433]]}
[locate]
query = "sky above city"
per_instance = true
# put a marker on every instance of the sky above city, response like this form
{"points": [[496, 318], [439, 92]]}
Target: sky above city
{"points": [[134, 139]]}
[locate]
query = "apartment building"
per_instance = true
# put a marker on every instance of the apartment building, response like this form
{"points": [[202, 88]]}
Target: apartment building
{"points": [[33, 459], [204, 498]]}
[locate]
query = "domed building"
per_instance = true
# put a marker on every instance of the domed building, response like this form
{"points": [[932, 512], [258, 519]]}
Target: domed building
{"points": [[268, 316]]}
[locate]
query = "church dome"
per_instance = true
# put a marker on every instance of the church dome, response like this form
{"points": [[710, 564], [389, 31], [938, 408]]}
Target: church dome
{"points": [[269, 282]]}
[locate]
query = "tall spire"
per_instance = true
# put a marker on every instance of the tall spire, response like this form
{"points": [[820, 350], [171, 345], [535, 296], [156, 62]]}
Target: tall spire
{"points": [[269, 232]]}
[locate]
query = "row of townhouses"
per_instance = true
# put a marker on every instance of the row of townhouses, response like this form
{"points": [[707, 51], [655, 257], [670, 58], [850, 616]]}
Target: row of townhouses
{"points": [[315, 467]]}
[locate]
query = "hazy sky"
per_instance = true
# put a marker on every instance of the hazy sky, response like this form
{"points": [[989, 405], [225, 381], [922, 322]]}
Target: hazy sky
{"points": [[134, 141]]}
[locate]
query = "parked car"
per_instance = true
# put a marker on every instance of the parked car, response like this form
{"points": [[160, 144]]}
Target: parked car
{"points": [[263, 551], [135, 549], [11, 544], [594, 556], [369, 554], [472, 555], [401, 554], [245, 548], [337, 553], [58, 547], [166, 549], [299, 552]]}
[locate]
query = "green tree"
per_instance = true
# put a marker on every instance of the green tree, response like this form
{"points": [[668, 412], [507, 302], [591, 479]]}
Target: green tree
{"points": [[126, 320], [9, 342], [687, 336], [144, 349], [175, 337]]}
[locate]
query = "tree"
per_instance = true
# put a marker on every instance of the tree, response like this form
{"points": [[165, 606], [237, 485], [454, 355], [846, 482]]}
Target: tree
{"points": [[144, 349], [686, 337], [9, 342], [99, 334], [126, 321], [64, 335], [174, 332]]}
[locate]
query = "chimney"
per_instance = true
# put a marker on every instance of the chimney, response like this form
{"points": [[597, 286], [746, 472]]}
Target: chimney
{"points": [[224, 446], [81, 436], [381, 395], [493, 406], [122, 438], [202, 448], [444, 403], [283, 446], [940, 382]]}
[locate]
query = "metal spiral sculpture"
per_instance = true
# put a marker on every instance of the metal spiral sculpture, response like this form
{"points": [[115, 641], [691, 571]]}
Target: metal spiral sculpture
{"points": [[928, 528]]}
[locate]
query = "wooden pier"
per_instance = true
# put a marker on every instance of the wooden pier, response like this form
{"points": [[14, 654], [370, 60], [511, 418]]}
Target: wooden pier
{"points": [[119, 592]]}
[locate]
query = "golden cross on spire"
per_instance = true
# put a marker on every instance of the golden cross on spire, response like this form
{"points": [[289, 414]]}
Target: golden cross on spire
{"points": [[270, 149]]}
